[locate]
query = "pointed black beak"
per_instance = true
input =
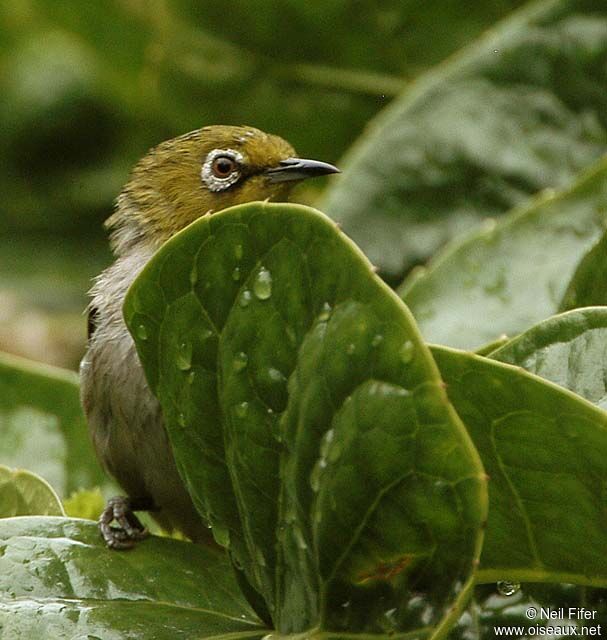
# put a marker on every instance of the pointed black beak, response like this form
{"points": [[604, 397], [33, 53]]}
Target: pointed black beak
{"points": [[299, 169]]}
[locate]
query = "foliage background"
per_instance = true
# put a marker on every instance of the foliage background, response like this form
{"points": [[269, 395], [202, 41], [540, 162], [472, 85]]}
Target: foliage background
{"points": [[87, 88]]}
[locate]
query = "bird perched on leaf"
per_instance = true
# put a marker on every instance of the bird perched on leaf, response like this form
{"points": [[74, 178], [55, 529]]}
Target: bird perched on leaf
{"points": [[178, 181]]}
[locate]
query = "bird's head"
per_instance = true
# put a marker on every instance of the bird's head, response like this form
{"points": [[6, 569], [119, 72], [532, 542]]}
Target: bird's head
{"points": [[202, 172]]}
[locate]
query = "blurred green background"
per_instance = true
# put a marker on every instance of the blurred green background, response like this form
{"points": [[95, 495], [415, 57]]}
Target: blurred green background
{"points": [[87, 88]]}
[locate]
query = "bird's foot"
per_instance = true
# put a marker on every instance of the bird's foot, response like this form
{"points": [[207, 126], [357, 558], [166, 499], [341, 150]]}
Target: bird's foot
{"points": [[128, 529]]}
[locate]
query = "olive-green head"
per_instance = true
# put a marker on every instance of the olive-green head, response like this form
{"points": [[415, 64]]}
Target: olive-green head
{"points": [[202, 172]]}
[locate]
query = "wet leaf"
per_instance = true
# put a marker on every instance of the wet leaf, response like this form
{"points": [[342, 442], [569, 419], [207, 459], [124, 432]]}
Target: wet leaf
{"points": [[23, 493], [43, 428], [569, 349], [545, 452], [512, 273], [519, 110], [57, 580], [309, 422]]}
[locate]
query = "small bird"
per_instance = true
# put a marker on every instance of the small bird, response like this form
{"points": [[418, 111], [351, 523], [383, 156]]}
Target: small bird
{"points": [[178, 181]]}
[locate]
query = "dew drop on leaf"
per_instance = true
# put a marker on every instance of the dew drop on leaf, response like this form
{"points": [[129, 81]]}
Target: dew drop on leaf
{"points": [[238, 251], [245, 298], [316, 473], [407, 351], [275, 375], [325, 312], [236, 274], [181, 419], [194, 275], [299, 538], [507, 588], [241, 409], [351, 348], [240, 361], [377, 340], [221, 535], [262, 285], [184, 356], [142, 332]]}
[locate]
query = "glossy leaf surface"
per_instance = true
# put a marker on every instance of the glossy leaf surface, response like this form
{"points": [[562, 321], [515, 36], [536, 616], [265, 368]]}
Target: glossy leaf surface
{"points": [[284, 366], [510, 274], [519, 110], [57, 580], [545, 452]]}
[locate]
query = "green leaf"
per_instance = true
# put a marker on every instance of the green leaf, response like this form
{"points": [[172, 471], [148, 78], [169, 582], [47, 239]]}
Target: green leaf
{"points": [[23, 494], [545, 451], [309, 422], [58, 580], [510, 274], [569, 349], [43, 428], [519, 110], [588, 286]]}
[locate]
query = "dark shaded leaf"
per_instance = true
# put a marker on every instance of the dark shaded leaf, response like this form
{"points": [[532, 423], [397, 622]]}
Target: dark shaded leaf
{"points": [[519, 110], [545, 451], [510, 274]]}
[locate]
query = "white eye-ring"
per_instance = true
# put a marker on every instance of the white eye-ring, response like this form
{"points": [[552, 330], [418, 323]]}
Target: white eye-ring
{"points": [[221, 169]]}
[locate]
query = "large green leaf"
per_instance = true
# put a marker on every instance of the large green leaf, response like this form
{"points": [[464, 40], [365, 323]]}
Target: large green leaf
{"points": [[309, 422], [43, 428], [58, 580], [23, 493], [510, 274], [545, 451], [569, 349], [521, 109]]}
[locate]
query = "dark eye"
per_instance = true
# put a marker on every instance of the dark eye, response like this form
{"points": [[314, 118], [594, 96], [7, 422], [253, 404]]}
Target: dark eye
{"points": [[223, 166]]}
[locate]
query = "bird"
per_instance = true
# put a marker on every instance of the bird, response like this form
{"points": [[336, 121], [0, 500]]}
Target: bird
{"points": [[196, 174]]}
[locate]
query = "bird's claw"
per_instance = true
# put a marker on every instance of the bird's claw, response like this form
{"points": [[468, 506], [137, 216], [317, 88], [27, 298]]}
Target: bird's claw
{"points": [[129, 529]]}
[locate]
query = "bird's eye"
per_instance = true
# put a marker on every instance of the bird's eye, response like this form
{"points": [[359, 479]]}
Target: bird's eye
{"points": [[221, 169], [223, 166]]}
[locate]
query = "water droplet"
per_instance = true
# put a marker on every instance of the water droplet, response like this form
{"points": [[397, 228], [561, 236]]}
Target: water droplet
{"points": [[316, 473], [351, 348], [245, 298], [181, 419], [240, 361], [407, 351], [275, 375], [236, 274], [299, 538], [377, 340], [507, 588], [184, 356], [325, 312], [238, 251], [391, 619], [194, 275], [142, 332], [241, 409], [260, 557], [191, 377], [206, 334], [326, 441], [221, 535], [262, 285]]}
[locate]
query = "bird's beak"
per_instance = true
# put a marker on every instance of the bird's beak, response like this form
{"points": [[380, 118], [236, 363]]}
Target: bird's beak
{"points": [[299, 169]]}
